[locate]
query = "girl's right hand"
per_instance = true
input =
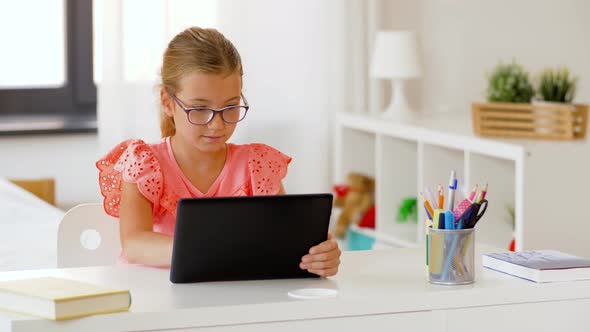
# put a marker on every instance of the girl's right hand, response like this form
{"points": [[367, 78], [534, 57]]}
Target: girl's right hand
{"points": [[323, 259]]}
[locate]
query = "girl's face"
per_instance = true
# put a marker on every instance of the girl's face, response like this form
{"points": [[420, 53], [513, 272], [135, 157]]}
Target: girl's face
{"points": [[208, 90]]}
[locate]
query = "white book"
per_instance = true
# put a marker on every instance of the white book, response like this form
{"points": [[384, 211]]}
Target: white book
{"points": [[539, 265], [57, 298]]}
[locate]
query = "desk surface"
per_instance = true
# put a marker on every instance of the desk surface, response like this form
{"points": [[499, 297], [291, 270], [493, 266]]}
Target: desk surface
{"points": [[370, 282]]}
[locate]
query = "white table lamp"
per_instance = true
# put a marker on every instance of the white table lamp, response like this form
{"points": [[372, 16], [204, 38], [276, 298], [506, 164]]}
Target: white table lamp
{"points": [[396, 57]]}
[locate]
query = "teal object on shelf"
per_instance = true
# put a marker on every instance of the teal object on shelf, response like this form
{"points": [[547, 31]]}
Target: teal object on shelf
{"points": [[359, 241]]}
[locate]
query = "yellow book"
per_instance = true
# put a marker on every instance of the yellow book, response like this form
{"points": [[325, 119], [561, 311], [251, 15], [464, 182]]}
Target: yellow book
{"points": [[57, 298]]}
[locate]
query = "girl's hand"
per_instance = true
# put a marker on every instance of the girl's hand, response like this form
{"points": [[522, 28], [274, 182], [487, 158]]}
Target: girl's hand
{"points": [[322, 259]]}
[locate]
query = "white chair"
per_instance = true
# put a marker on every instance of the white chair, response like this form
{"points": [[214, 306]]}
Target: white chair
{"points": [[87, 236]]}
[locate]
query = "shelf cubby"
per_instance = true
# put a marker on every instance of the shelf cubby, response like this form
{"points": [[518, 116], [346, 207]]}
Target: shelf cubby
{"points": [[405, 155], [357, 153], [496, 228], [396, 166]]}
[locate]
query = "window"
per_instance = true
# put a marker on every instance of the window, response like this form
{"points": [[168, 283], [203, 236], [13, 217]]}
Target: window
{"points": [[47, 66]]}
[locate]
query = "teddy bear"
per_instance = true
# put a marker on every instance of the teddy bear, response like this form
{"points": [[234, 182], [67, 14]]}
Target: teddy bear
{"points": [[355, 198]]}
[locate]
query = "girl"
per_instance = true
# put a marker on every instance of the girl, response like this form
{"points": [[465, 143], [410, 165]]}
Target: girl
{"points": [[201, 103]]}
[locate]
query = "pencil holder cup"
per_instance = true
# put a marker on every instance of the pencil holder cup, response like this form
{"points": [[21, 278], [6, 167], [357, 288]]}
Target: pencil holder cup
{"points": [[451, 256]]}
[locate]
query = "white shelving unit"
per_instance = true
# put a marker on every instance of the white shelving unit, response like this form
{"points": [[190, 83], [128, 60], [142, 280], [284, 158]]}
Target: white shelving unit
{"points": [[544, 181]]}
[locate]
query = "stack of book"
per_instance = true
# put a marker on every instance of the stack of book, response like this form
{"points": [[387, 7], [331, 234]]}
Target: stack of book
{"points": [[539, 265], [58, 299]]}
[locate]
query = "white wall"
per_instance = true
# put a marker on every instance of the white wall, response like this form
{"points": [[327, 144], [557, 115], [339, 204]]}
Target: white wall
{"points": [[69, 159], [464, 39], [295, 78], [297, 57]]}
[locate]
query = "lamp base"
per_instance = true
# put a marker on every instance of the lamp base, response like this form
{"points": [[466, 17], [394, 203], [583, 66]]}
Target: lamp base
{"points": [[398, 107]]}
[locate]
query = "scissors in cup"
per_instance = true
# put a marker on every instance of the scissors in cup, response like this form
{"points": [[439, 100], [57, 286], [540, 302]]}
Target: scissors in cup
{"points": [[472, 215]]}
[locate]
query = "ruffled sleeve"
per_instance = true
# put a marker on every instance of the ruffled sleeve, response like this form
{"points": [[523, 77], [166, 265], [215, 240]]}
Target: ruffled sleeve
{"points": [[131, 161], [268, 167]]}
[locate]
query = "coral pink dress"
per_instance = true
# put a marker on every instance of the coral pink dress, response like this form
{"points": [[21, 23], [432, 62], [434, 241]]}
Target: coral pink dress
{"points": [[252, 169]]}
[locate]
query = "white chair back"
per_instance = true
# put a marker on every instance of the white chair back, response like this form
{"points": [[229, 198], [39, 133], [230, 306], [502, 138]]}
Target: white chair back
{"points": [[87, 236]]}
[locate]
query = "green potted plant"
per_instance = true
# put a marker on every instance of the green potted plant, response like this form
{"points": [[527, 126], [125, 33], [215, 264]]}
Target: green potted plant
{"points": [[509, 83], [512, 110], [556, 85]]}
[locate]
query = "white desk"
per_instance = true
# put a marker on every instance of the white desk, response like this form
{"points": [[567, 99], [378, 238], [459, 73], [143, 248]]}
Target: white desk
{"points": [[379, 291]]}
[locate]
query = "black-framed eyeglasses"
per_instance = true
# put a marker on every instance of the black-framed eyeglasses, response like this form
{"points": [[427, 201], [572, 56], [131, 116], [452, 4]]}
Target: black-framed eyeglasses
{"points": [[203, 115]]}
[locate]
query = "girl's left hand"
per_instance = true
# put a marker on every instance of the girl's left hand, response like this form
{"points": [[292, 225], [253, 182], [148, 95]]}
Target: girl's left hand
{"points": [[322, 259]]}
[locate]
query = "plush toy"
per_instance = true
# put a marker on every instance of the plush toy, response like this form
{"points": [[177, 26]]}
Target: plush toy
{"points": [[355, 201], [340, 191], [368, 220]]}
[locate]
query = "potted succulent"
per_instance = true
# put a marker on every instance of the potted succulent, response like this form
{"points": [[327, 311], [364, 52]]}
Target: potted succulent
{"points": [[557, 85], [509, 83], [512, 111]]}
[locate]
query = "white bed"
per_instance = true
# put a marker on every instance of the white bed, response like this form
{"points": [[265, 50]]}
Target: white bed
{"points": [[28, 229]]}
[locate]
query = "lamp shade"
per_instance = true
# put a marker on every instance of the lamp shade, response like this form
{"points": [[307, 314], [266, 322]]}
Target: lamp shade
{"points": [[395, 55]]}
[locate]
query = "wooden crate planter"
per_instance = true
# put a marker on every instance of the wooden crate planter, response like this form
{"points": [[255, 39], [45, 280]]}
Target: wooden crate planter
{"points": [[549, 121]]}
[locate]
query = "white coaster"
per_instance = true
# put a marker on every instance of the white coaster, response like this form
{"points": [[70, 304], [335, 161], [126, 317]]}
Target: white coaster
{"points": [[313, 293]]}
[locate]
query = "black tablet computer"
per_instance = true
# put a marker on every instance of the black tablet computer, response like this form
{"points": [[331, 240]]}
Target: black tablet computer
{"points": [[247, 238]]}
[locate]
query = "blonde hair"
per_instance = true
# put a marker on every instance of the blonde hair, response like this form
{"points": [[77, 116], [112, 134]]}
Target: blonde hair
{"points": [[195, 49]]}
